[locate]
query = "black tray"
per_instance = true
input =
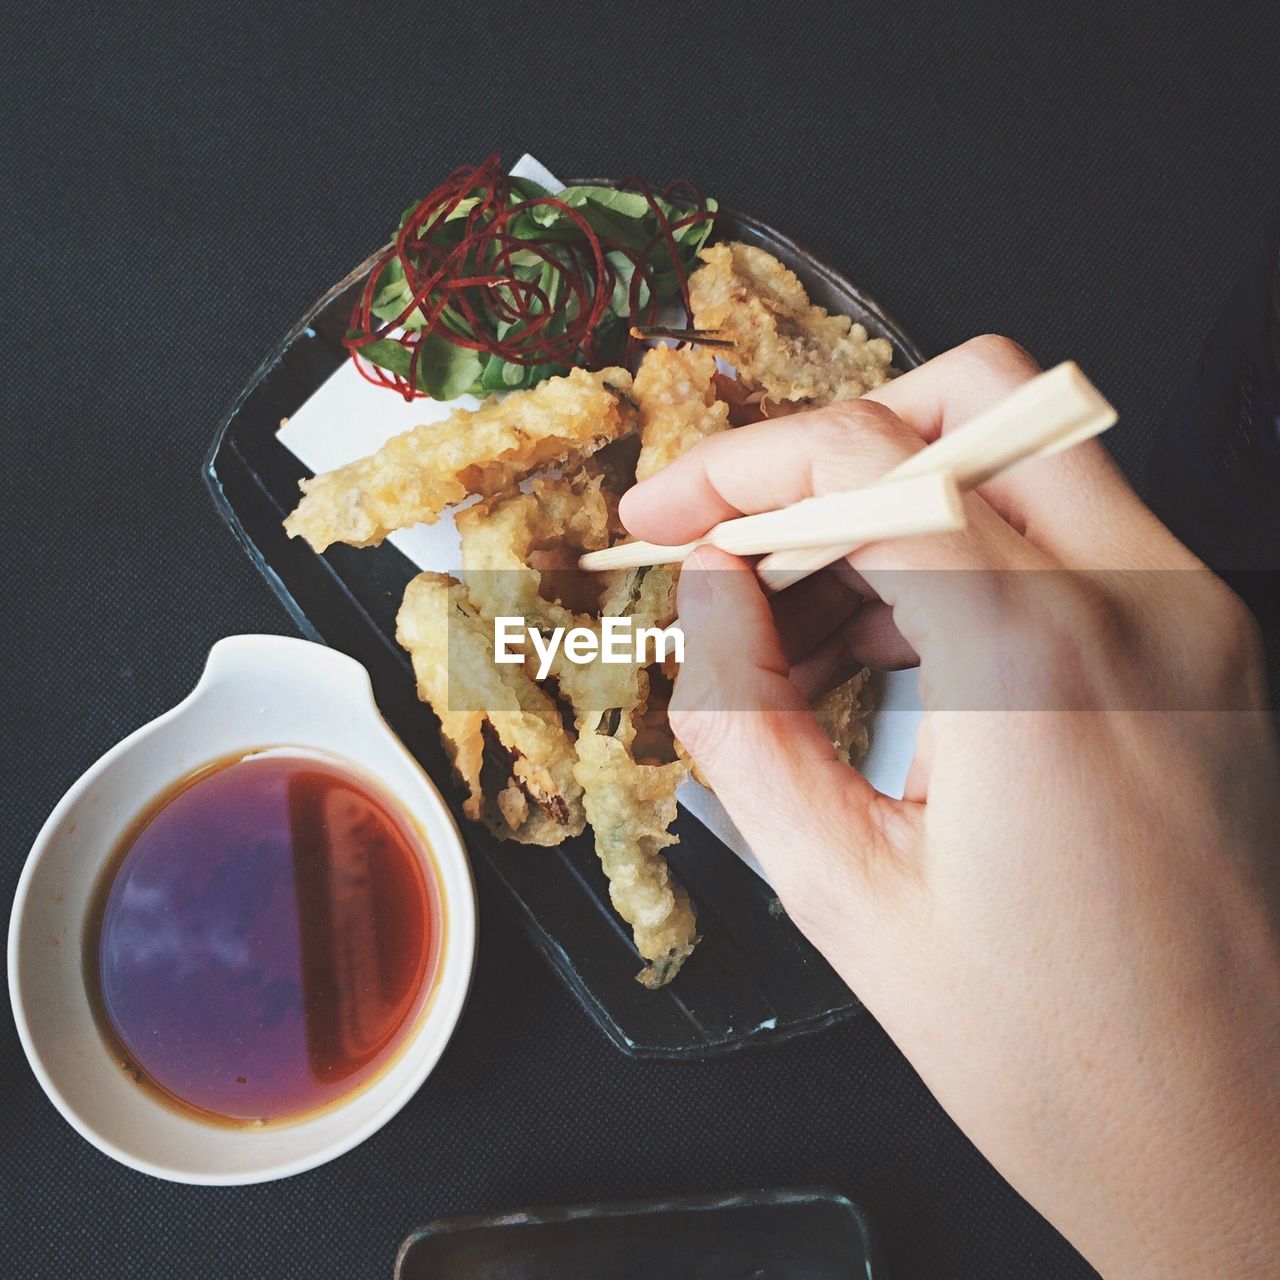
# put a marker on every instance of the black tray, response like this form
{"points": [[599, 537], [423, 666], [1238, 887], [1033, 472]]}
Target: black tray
{"points": [[753, 978], [765, 1235]]}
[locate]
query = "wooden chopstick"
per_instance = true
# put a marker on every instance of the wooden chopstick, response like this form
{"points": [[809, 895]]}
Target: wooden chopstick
{"points": [[914, 505], [1055, 410]]}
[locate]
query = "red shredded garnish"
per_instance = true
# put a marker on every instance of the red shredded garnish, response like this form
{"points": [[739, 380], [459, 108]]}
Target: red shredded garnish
{"points": [[468, 293]]}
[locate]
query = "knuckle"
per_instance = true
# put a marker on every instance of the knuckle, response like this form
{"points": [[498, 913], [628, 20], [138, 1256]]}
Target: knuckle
{"points": [[861, 419], [1078, 605], [1060, 632], [1072, 644], [1002, 357], [1240, 628], [1231, 644], [1202, 637], [1083, 623], [854, 441], [834, 432]]}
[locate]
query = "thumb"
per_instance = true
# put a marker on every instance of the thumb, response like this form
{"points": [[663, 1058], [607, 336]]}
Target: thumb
{"points": [[816, 825]]}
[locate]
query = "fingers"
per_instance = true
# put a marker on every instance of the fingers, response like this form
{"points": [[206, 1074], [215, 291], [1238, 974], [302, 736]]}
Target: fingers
{"points": [[755, 740], [965, 623], [769, 464], [775, 463], [869, 638], [1080, 508], [915, 790], [765, 466], [949, 390], [1076, 504], [807, 613]]}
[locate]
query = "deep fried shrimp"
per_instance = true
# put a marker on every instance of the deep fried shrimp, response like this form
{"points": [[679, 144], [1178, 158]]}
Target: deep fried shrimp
{"points": [[415, 475]]}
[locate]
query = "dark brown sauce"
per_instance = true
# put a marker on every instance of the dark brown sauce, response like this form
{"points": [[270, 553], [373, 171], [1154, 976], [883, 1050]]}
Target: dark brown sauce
{"points": [[264, 939]]}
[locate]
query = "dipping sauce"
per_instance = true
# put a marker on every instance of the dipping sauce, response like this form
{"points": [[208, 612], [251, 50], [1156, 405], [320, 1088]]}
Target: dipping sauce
{"points": [[265, 937]]}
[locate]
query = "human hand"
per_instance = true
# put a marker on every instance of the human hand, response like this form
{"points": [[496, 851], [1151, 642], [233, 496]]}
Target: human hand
{"points": [[1070, 923]]}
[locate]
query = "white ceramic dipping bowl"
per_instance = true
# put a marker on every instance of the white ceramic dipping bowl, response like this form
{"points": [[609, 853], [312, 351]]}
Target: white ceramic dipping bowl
{"points": [[256, 691]]}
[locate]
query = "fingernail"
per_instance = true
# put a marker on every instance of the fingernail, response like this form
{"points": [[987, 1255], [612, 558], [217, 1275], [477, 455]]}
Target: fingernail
{"points": [[694, 592]]}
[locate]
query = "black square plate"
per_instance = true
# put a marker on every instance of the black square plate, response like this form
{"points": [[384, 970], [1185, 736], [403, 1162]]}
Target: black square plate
{"points": [[753, 978], [763, 1235]]}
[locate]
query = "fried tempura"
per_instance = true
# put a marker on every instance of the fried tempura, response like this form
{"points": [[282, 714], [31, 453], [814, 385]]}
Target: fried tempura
{"points": [[493, 706], [675, 392], [518, 556], [526, 775], [648, 597], [630, 806], [631, 803], [843, 713], [414, 476], [783, 346], [519, 550]]}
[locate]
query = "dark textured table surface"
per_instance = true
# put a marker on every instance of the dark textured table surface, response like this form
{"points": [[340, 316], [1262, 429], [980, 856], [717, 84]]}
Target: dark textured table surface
{"points": [[178, 185]]}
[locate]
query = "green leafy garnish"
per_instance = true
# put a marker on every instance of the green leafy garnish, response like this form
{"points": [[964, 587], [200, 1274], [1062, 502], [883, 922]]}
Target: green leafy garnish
{"points": [[444, 370], [532, 310]]}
